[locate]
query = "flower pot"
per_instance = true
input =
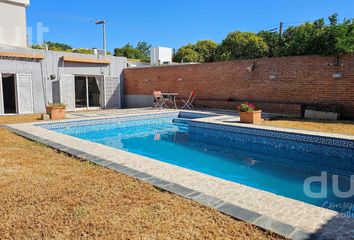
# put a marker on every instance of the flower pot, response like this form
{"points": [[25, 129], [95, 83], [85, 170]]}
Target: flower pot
{"points": [[56, 113], [254, 117]]}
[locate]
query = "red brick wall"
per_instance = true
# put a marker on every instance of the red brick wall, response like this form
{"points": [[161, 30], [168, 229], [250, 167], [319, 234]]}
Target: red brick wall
{"points": [[299, 80]]}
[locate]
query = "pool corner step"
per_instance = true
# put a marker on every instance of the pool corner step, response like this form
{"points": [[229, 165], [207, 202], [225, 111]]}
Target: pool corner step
{"points": [[181, 120]]}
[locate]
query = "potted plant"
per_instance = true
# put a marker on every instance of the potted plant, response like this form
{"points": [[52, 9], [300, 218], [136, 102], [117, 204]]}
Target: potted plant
{"points": [[249, 114], [56, 110]]}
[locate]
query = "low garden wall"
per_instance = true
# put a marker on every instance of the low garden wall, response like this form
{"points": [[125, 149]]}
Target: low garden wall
{"points": [[278, 85]]}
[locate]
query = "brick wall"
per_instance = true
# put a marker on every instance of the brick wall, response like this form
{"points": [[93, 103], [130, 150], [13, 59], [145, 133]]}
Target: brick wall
{"points": [[276, 84]]}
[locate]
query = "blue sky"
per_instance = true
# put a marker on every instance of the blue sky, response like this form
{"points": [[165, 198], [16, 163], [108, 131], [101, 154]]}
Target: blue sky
{"points": [[171, 23]]}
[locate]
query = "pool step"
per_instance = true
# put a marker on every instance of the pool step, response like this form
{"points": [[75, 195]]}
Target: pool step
{"points": [[181, 120]]}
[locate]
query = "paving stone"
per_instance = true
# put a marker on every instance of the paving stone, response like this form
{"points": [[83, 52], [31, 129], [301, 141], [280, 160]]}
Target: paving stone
{"points": [[274, 226], [142, 176], [100, 161], [194, 194], [115, 166], [179, 190], [89, 157], [129, 171], [205, 199], [239, 213], [158, 182], [74, 152]]}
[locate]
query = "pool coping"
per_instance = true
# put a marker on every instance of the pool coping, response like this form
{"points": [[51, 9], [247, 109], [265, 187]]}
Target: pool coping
{"points": [[223, 206]]}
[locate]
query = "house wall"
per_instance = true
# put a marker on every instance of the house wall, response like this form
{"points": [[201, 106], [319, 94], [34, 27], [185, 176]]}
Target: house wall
{"points": [[13, 30], [277, 85], [44, 90]]}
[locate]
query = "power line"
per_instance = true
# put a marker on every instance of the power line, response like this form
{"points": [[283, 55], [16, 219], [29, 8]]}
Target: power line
{"points": [[76, 18]]}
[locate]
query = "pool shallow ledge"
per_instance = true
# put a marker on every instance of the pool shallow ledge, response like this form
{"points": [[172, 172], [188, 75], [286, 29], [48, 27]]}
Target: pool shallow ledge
{"points": [[116, 160]]}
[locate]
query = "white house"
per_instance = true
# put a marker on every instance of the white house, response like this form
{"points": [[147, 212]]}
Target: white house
{"points": [[13, 22], [161, 55], [31, 78]]}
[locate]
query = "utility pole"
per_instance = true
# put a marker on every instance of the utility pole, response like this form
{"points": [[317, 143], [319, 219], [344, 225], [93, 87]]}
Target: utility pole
{"points": [[103, 23], [280, 29]]}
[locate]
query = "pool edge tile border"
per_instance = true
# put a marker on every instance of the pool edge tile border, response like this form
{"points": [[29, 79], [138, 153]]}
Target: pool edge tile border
{"points": [[230, 209]]}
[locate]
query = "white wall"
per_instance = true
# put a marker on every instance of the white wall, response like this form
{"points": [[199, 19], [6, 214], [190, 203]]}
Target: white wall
{"points": [[13, 30], [161, 55]]}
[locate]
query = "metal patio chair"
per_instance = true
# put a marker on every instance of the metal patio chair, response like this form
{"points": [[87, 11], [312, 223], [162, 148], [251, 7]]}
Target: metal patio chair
{"points": [[189, 103], [160, 101]]}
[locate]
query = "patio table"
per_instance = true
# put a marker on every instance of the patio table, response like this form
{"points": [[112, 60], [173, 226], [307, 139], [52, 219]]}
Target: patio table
{"points": [[171, 97]]}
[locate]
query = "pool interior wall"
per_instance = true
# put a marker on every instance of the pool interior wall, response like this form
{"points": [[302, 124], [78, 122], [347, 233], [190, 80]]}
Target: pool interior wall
{"points": [[267, 163]]}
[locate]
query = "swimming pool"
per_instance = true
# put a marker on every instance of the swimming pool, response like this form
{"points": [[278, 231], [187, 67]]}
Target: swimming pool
{"points": [[267, 163]]}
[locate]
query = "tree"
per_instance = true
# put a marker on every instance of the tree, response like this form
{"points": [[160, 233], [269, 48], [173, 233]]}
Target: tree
{"points": [[144, 51], [306, 39], [83, 50], [273, 41], [206, 50], [242, 45], [343, 34], [186, 54], [141, 51], [317, 38], [54, 46], [202, 51], [127, 51]]}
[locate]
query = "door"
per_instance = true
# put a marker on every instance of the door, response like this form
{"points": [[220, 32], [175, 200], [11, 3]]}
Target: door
{"points": [[80, 92], [1, 97], [67, 91], [24, 93], [88, 91], [111, 92]]}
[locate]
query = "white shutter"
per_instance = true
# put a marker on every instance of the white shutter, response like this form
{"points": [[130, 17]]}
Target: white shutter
{"points": [[111, 92], [67, 91], [1, 97], [24, 93]]}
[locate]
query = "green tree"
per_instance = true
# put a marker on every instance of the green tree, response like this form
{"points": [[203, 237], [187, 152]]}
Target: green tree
{"points": [[202, 51], [144, 50], [83, 50], [242, 45], [206, 50], [317, 38], [306, 39], [141, 51], [186, 54], [127, 51], [54, 46], [343, 35], [273, 41]]}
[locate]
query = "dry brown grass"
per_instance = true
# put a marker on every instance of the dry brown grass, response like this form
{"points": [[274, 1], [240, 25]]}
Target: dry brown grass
{"points": [[19, 118], [45, 194], [342, 127]]}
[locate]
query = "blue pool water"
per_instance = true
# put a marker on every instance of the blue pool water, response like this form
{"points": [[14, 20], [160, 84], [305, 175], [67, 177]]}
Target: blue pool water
{"points": [[270, 168]]}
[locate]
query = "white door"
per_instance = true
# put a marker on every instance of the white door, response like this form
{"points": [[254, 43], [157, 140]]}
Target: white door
{"points": [[67, 91], [24, 93], [1, 97], [111, 92]]}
